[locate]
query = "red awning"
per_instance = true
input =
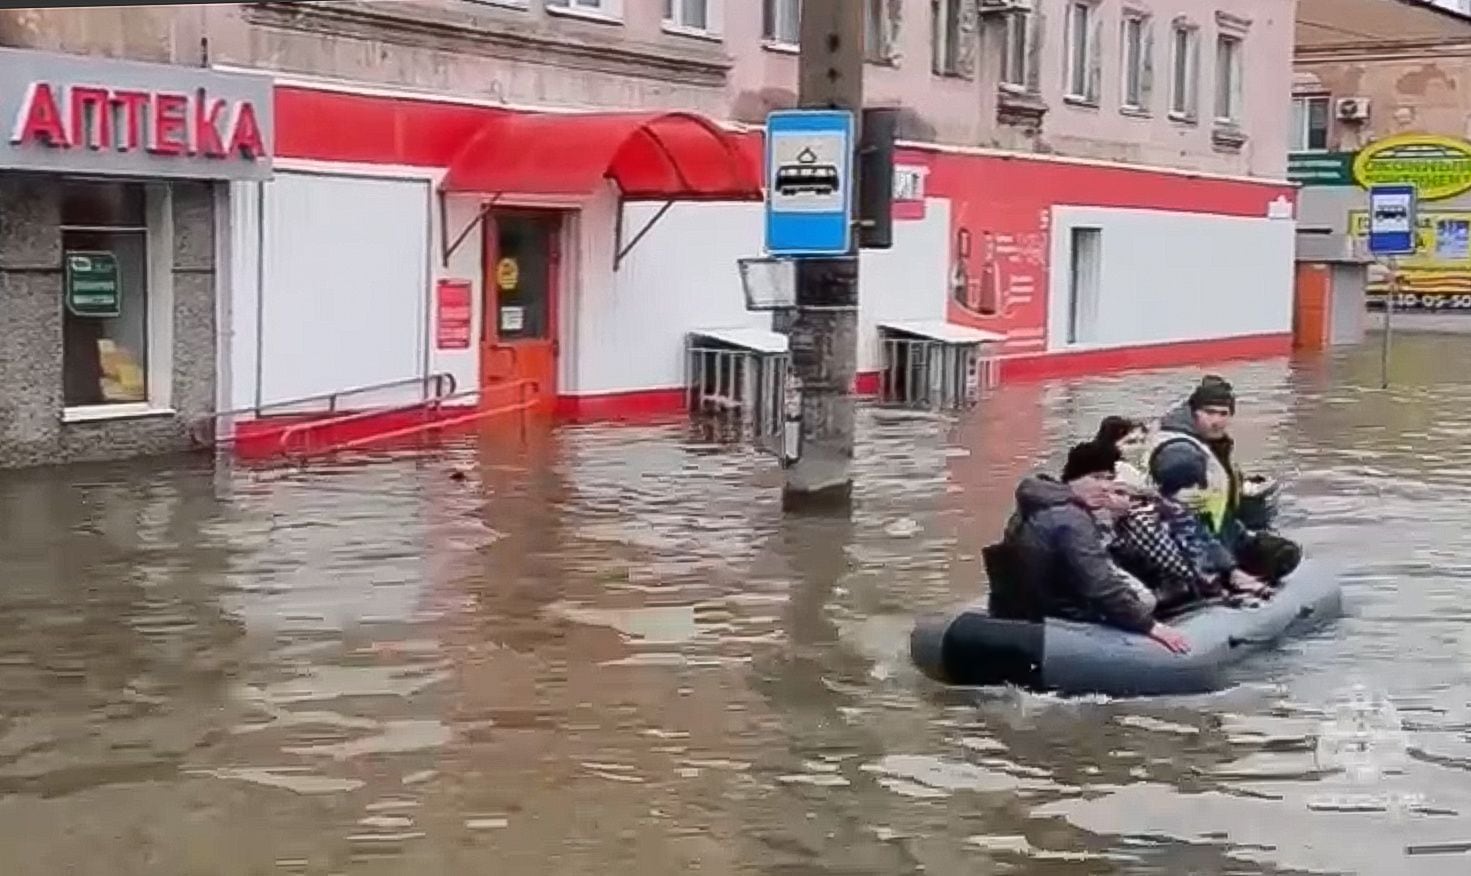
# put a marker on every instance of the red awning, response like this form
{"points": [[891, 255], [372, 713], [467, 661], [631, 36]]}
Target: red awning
{"points": [[650, 156]]}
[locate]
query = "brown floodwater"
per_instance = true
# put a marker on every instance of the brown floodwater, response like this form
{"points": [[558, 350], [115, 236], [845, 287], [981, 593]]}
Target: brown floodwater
{"points": [[604, 651]]}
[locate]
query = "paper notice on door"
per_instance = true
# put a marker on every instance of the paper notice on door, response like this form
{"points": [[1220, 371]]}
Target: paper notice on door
{"points": [[513, 319]]}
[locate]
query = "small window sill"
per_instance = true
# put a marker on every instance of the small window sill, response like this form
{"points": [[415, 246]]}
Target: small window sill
{"points": [[1227, 138], [123, 411], [1135, 112], [1020, 108], [1080, 102], [693, 33], [1183, 118], [584, 15], [781, 47]]}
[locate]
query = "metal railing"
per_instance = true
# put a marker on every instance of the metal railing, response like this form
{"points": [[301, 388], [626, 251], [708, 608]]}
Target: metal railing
{"points": [[432, 387], [925, 373], [737, 394], [434, 420]]}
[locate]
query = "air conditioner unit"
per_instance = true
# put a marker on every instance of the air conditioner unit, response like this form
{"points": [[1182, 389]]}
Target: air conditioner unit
{"points": [[1352, 109]]}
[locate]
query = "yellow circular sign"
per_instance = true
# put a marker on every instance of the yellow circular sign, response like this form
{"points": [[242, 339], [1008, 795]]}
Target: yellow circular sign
{"points": [[1438, 167], [507, 274]]}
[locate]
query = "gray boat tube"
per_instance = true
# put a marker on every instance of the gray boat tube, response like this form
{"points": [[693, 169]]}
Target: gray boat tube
{"points": [[970, 648]]}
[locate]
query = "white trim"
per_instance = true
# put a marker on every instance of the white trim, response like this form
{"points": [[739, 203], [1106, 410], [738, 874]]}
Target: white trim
{"points": [[755, 340], [125, 411], [346, 87], [356, 168], [988, 152], [608, 11]]}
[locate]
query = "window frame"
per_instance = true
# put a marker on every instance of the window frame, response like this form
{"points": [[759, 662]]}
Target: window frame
{"points": [[714, 14], [771, 15], [1078, 60], [1016, 49], [1185, 101], [1134, 66], [1302, 133], [158, 377], [1229, 89], [606, 11], [945, 36]]}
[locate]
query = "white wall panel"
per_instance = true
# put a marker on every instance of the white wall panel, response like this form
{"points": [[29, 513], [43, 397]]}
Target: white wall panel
{"points": [[346, 266], [1169, 276], [630, 327]]}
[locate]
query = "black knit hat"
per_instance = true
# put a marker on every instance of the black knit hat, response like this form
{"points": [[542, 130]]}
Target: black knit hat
{"points": [[1089, 458], [1213, 391]]}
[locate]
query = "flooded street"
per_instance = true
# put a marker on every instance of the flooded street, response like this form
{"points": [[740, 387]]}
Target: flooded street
{"points": [[607, 653]]}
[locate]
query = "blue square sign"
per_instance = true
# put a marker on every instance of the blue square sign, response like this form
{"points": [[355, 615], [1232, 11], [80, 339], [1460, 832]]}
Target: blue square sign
{"points": [[809, 183], [1392, 219]]}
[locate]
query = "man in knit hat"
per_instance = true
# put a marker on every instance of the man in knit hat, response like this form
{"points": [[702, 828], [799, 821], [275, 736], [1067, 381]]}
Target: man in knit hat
{"points": [[1057, 544], [1197, 434]]}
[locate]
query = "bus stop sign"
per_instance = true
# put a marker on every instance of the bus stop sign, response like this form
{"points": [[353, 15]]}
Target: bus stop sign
{"points": [[809, 183], [1392, 211]]}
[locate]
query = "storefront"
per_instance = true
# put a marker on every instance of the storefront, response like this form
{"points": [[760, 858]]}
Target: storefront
{"points": [[1435, 282], [578, 252], [112, 210]]}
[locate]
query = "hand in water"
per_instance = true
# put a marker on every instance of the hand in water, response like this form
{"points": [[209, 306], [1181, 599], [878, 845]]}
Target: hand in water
{"points": [[1170, 638]]}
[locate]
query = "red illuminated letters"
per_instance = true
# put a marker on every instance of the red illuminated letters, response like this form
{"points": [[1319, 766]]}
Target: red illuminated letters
{"points": [[39, 119], [166, 124]]}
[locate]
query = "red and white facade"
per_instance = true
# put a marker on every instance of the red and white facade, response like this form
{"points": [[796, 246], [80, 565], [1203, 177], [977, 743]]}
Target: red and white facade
{"points": [[351, 267]]}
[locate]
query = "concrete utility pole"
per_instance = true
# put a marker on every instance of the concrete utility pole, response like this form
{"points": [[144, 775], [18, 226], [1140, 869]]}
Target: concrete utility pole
{"points": [[824, 331]]}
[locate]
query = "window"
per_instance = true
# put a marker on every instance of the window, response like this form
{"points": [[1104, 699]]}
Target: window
{"points": [[1185, 64], [1085, 272], [1309, 124], [1081, 53], [877, 42], [946, 37], [782, 21], [105, 300], [1016, 49], [595, 8], [695, 15], [1134, 50], [1228, 79]]}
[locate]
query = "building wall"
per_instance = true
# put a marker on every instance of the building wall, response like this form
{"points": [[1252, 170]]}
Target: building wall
{"points": [[1198, 286], [32, 430], [522, 54]]}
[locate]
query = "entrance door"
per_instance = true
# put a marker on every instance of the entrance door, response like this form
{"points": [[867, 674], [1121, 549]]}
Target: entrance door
{"points": [[522, 252]]}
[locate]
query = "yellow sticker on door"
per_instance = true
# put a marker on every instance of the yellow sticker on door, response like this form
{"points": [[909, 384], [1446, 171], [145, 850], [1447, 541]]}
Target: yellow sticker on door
{"points": [[507, 274]]}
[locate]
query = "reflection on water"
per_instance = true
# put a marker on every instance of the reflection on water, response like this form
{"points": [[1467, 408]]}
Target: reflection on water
{"points": [[605, 652]]}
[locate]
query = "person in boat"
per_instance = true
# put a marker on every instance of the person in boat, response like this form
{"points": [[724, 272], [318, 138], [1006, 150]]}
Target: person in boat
{"points": [[1195, 434], [1055, 549], [1131, 439]]}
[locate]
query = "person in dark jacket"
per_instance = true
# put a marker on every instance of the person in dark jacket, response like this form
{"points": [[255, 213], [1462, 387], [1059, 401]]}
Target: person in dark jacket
{"points": [[1195, 435], [1059, 558], [1211, 560]]}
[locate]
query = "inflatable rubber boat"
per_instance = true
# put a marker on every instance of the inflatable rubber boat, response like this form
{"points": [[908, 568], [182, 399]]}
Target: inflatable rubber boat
{"points": [[970, 648]]}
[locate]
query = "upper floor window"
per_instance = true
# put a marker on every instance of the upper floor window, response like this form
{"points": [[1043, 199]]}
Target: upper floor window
{"points": [[782, 21], [596, 8], [1309, 123], [1228, 78], [1185, 70], [694, 15], [1136, 47], [954, 38], [879, 31], [1016, 47], [1082, 51]]}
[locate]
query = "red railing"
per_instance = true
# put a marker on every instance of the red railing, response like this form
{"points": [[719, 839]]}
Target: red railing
{"points": [[298, 442], [433, 387]]}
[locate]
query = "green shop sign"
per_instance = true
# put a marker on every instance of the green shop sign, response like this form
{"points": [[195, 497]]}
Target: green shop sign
{"points": [[1321, 168], [92, 285]]}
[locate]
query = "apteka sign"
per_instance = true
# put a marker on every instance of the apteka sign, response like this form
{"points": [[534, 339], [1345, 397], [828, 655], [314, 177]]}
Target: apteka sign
{"points": [[71, 114]]}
